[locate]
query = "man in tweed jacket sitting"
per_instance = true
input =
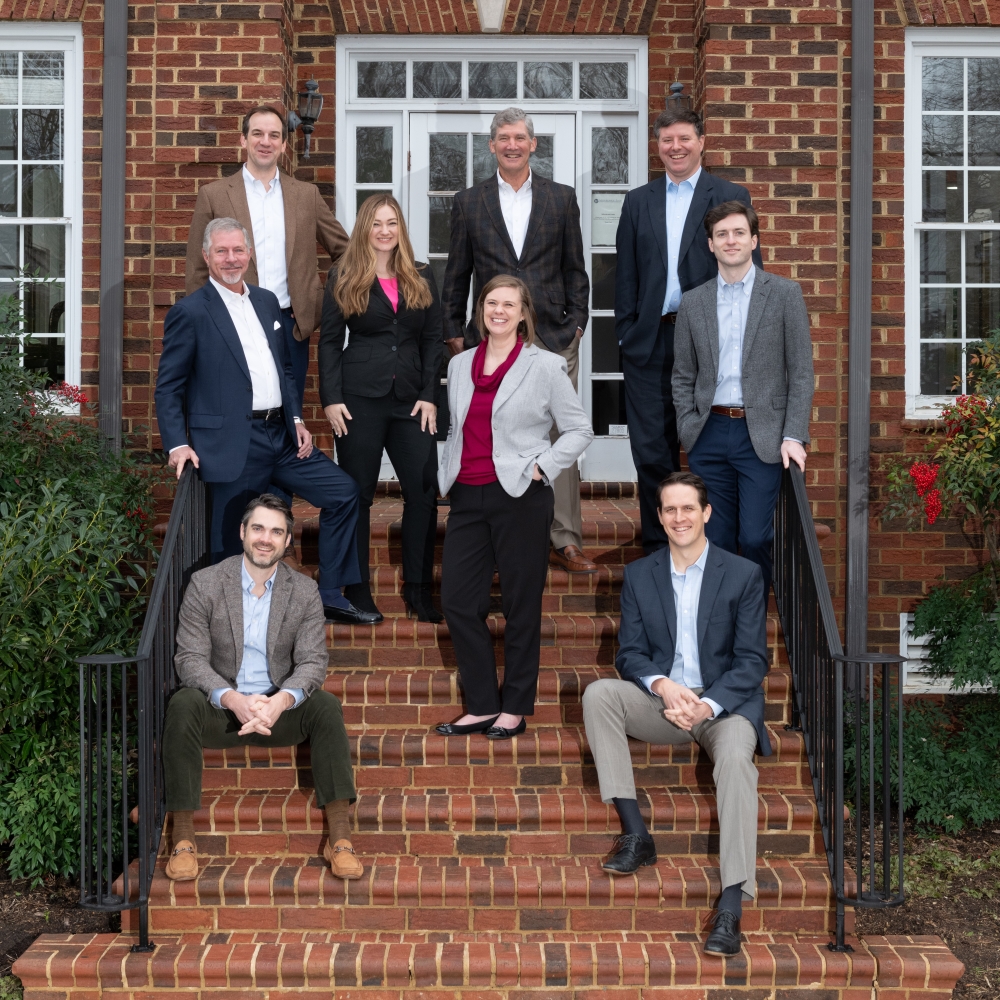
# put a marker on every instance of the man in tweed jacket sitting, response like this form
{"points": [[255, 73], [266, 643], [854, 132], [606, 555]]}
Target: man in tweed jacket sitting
{"points": [[251, 658]]}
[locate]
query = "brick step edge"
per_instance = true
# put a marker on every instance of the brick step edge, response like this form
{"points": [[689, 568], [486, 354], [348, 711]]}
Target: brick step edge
{"points": [[79, 962]]}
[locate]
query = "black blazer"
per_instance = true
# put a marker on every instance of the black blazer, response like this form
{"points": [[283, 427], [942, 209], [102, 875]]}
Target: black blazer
{"points": [[641, 272], [732, 631], [386, 350], [551, 262]]}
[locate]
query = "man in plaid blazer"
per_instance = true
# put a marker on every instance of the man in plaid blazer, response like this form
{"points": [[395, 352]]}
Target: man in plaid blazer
{"points": [[520, 223]]}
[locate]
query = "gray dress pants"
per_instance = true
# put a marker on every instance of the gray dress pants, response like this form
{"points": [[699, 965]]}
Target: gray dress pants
{"points": [[613, 710]]}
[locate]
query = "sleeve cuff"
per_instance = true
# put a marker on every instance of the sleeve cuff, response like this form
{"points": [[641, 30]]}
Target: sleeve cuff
{"points": [[796, 440], [215, 698], [175, 447], [650, 680], [716, 708], [297, 694]]}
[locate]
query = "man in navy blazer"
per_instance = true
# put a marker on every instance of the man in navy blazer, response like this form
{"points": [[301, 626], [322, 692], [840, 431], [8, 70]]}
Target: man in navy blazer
{"points": [[662, 253], [692, 656], [226, 401]]}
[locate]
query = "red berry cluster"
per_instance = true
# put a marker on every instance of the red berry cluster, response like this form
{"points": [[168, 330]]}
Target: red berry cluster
{"points": [[923, 475], [966, 410], [138, 514], [932, 505], [71, 393]]}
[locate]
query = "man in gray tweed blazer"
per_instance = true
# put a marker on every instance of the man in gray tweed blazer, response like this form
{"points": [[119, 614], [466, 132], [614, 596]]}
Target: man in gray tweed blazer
{"points": [[251, 658], [742, 385]]}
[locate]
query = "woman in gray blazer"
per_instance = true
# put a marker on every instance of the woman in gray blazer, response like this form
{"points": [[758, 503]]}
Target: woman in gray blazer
{"points": [[498, 464]]}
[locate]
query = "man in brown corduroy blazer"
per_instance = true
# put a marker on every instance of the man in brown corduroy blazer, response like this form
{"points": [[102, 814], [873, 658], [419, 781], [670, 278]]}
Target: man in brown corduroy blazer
{"points": [[286, 217]]}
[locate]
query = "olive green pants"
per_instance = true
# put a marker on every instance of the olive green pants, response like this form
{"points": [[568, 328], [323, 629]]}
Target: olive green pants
{"points": [[192, 723]]}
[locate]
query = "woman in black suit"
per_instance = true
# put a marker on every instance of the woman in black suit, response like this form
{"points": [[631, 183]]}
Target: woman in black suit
{"points": [[382, 384]]}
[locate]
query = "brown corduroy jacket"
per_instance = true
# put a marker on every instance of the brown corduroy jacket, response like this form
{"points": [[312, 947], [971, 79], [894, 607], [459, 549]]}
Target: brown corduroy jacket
{"points": [[308, 220]]}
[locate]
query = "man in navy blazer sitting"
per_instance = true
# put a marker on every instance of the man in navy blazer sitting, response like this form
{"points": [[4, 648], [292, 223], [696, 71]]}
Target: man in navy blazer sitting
{"points": [[692, 655], [226, 401]]}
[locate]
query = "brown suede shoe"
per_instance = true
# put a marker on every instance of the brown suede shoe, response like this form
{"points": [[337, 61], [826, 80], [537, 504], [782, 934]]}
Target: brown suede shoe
{"points": [[182, 865], [572, 560], [343, 862]]}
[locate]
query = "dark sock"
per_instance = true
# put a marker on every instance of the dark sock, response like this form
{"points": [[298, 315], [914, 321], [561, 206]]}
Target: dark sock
{"points": [[631, 818], [732, 900], [183, 826], [332, 598], [338, 818]]}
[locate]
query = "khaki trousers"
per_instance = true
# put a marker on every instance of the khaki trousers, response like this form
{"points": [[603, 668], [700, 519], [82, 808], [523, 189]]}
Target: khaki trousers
{"points": [[567, 523], [613, 710]]}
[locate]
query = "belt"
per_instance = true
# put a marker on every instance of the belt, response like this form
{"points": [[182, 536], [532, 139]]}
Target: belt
{"points": [[670, 318], [736, 412], [275, 413]]}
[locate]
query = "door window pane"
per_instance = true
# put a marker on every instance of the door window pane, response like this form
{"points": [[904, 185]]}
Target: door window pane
{"points": [[484, 163], [940, 257], [943, 196], [373, 151], [8, 78], [943, 87], [940, 365], [609, 406], [8, 134], [605, 354], [604, 81], [493, 80], [984, 140], [449, 157], [602, 290], [438, 267], [45, 251], [984, 196], [942, 140], [609, 155], [437, 79], [984, 84], [365, 193], [940, 313], [42, 81], [440, 224], [982, 312], [42, 192], [541, 158], [548, 80], [982, 257], [382, 79]]}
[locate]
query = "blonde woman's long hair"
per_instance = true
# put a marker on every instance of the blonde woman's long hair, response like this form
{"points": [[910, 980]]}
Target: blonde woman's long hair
{"points": [[356, 271]]}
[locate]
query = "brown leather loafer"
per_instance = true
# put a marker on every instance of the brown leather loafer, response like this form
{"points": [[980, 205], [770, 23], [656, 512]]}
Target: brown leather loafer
{"points": [[182, 865], [572, 560], [343, 862]]}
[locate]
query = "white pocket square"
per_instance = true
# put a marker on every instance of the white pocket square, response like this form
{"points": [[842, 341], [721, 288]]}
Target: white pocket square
{"points": [[277, 325]]}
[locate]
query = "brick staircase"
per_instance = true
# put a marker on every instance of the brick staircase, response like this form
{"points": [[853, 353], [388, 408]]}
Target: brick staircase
{"points": [[481, 859]]}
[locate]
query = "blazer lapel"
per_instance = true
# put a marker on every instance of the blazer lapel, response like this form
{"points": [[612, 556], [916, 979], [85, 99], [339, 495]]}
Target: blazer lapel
{"points": [[710, 583], [695, 220], [758, 302], [234, 604], [280, 593], [464, 389], [710, 311], [515, 376], [224, 322], [657, 207], [539, 206], [241, 213], [665, 590], [491, 201], [288, 203]]}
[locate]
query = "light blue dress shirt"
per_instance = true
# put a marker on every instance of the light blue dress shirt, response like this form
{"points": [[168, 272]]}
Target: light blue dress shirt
{"points": [[678, 202], [686, 669], [253, 676], [732, 305]]}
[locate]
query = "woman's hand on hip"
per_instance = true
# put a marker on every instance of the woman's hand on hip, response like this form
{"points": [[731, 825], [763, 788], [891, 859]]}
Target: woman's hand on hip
{"points": [[338, 415], [537, 474], [428, 415]]}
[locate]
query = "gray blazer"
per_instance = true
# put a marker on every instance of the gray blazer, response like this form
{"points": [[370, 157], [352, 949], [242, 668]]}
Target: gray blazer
{"points": [[210, 630], [535, 394], [777, 365]]}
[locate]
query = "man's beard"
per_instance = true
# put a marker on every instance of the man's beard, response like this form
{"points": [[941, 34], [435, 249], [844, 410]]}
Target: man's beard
{"points": [[255, 561], [229, 279]]}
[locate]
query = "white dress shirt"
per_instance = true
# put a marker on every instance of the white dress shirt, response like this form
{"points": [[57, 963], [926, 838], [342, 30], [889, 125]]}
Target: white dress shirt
{"points": [[256, 349], [516, 209], [732, 304], [267, 217], [679, 197], [686, 668]]}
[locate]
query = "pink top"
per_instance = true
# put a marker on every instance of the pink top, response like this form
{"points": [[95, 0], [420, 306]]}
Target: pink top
{"points": [[477, 432], [391, 288]]}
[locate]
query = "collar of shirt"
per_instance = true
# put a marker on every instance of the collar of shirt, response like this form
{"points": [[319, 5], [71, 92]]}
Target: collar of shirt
{"points": [[249, 582], [228, 295], [699, 562], [508, 189], [747, 280], [691, 181], [251, 182]]}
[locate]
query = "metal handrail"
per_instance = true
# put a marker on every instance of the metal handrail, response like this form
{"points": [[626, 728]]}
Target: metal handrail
{"points": [[825, 682], [123, 702]]}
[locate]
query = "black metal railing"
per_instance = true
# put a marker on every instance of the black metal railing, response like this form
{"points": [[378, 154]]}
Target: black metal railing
{"points": [[829, 689], [122, 705]]}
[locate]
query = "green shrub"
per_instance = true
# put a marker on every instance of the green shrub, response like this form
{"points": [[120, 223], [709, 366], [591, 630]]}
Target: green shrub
{"points": [[75, 553]]}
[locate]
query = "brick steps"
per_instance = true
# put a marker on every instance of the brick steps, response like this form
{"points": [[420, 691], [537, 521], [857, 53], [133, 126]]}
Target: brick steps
{"points": [[270, 963]]}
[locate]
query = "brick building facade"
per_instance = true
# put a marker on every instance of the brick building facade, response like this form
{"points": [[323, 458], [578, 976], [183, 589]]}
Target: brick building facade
{"points": [[773, 79]]}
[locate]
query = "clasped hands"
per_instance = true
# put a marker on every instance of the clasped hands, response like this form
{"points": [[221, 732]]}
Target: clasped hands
{"points": [[257, 712], [681, 705]]}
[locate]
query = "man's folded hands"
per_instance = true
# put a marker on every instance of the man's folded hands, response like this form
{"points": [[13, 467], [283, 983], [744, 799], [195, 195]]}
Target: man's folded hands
{"points": [[681, 705], [258, 713]]}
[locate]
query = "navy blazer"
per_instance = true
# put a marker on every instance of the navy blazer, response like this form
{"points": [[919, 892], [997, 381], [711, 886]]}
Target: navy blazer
{"points": [[641, 271], [204, 397], [732, 631]]}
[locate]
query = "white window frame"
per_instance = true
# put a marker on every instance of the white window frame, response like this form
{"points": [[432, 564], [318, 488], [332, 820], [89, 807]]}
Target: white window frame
{"points": [[954, 42]]}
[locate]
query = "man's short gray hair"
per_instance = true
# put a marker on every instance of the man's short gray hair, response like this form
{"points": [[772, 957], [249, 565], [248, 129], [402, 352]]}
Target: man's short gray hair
{"points": [[223, 226], [511, 116]]}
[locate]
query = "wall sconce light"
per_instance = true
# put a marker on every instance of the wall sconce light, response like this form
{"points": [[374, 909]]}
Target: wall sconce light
{"points": [[310, 104], [677, 100]]}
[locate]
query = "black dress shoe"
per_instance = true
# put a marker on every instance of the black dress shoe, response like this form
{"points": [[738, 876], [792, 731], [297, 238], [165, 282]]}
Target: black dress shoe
{"points": [[351, 615], [360, 596], [453, 729], [725, 937], [499, 733], [630, 853]]}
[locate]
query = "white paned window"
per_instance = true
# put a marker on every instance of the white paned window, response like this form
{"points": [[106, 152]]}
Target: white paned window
{"points": [[40, 181], [952, 207]]}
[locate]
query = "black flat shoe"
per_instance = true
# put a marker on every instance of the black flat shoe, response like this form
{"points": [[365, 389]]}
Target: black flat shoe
{"points": [[351, 615], [499, 733], [418, 600], [630, 853], [453, 729], [725, 937]]}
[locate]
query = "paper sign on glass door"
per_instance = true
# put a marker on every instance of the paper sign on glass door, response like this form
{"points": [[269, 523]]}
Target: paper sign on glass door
{"points": [[605, 212]]}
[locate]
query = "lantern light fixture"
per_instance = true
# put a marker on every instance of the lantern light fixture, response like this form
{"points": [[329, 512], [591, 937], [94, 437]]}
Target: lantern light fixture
{"points": [[310, 105], [677, 100]]}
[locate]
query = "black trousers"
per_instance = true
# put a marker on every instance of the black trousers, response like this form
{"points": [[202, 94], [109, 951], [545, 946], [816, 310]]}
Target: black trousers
{"points": [[385, 422], [487, 527], [652, 430]]}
